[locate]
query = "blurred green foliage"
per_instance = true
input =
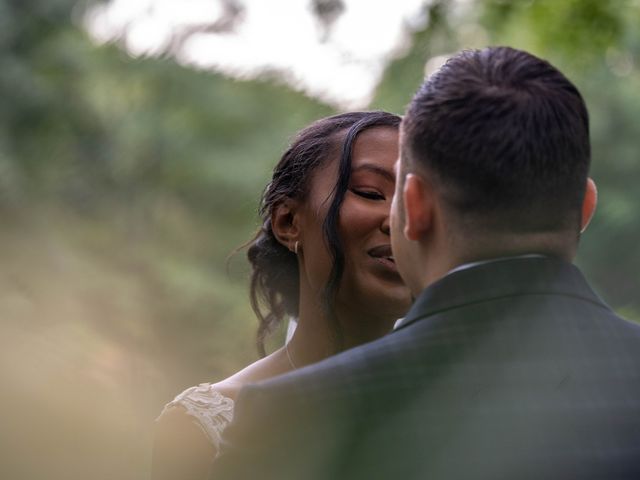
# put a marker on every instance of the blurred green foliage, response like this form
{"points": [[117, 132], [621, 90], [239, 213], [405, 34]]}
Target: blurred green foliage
{"points": [[125, 183]]}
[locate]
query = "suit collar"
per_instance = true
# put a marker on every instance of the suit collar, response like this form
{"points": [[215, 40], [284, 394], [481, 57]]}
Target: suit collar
{"points": [[482, 281]]}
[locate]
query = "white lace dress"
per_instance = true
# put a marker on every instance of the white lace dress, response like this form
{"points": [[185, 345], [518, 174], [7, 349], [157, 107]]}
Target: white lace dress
{"points": [[210, 410]]}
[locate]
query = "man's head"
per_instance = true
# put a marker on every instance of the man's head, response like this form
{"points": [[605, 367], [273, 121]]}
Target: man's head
{"points": [[494, 162]]}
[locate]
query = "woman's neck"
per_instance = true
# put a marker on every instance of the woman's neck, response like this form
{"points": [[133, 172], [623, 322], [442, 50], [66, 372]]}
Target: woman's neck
{"points": [[314, 338], [317, 336]]}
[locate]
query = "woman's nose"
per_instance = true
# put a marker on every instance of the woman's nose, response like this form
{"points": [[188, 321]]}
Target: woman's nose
{"points": [[386, 226]]}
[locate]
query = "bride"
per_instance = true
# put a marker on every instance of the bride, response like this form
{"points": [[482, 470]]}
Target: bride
{"points": [[323, 256]]}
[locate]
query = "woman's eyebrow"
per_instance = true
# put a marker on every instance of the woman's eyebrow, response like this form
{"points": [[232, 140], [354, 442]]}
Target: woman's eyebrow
{"points": [[384, 172]]}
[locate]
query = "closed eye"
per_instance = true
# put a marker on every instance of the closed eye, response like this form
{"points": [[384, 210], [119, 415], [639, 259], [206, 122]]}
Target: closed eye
{"points": [[368, 194]]}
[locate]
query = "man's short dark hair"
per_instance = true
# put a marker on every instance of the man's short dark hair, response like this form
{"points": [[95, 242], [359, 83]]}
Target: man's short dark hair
{"points": [[506, 136]]}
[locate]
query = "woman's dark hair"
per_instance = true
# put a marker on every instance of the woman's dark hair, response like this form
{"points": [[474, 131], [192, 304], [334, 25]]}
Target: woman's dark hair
{"points": [[274, 288]]}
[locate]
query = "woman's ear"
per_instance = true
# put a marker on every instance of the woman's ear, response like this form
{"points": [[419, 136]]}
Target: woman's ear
{"points": [[418, 207], [589, 204], [285, 223]]}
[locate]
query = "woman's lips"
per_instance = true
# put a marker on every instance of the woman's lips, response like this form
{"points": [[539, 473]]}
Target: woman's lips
{"points": [[383, 255]]}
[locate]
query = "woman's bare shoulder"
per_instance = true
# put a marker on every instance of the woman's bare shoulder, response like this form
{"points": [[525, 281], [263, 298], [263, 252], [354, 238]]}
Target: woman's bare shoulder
{"points": [[263, 369]]}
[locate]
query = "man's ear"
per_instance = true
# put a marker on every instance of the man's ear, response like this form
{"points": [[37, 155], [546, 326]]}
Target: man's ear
{"points": [[418, 206], [285, 223], [589, 204]]}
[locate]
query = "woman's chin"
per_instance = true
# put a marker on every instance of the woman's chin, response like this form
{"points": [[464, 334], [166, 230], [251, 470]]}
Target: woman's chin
{"points": [[388, 299], [375, 294]]}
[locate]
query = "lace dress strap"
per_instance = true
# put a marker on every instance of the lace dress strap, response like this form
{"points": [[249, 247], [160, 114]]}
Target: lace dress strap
{"points": [[211, 410]]}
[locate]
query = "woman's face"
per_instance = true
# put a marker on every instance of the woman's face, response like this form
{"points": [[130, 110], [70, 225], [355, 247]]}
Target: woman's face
{"points": [[370, 286]]}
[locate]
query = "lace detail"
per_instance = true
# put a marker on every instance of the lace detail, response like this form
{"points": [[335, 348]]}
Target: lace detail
{"points": [[211, 410]]}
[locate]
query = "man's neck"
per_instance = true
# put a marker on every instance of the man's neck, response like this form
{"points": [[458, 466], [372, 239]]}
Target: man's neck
{"points": [[450, 258], [477, 263]]}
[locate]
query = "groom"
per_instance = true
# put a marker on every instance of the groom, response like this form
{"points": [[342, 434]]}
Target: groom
{"points": [[508, 365]]}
